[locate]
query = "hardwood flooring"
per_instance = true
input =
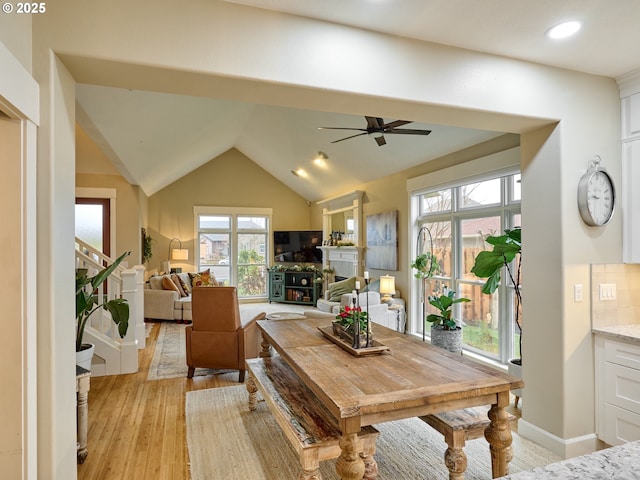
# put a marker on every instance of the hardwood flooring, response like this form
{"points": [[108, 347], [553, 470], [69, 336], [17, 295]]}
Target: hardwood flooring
{"points": [[137, 427]]}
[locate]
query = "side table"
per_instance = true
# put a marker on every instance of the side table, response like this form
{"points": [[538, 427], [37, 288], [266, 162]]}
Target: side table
{"points": [[83, 377]]}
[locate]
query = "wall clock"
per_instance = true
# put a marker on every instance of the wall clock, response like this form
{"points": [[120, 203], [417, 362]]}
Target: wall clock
{"points": [[596, 195]]}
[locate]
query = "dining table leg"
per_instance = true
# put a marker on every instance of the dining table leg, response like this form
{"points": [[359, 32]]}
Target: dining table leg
{"points": [[498, 434], [349, 465]]}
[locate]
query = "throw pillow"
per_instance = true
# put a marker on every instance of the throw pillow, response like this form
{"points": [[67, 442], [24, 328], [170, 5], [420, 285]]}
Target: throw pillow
{"points": [[176, 281], [337, 289], [203, 279], [185, 282], [167, 284]]}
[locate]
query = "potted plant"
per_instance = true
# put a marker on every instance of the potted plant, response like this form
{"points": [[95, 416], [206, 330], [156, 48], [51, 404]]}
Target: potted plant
{"points": [[346, 321], [507, 248], [87, 303], [445, 331]]}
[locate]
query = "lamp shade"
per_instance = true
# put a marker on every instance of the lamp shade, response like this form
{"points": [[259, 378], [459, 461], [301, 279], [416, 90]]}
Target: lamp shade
{"points": [[179, 254], [387, 285]]}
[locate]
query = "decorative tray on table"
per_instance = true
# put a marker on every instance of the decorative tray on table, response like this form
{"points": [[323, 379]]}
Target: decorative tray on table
{"points": [[376, 347]]}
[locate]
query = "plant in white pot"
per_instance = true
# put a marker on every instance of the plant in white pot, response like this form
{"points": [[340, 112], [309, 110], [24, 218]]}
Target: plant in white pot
{"points": [[507, 253], [87, 303], [445, 331]]}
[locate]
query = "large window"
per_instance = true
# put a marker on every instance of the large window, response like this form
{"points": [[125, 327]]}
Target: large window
{"points": [[234, 244], [454, 223]]}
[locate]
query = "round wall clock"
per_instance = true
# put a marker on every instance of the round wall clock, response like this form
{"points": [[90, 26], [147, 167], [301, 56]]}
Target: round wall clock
{"points": [[596, 195]]}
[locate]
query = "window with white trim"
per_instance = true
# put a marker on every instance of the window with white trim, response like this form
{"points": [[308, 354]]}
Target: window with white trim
{"points": [[234, 244], [453, 222]]}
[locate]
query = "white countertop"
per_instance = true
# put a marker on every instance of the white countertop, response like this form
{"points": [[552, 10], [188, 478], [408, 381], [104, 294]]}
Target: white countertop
{"points": [[615, 463], [626, 333]]}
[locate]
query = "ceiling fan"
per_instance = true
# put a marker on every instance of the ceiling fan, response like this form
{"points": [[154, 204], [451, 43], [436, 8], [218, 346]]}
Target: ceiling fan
{"points": [[377, 125]]}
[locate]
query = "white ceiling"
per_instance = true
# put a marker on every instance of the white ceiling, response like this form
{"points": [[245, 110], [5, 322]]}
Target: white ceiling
{"points": [[154, 139]]}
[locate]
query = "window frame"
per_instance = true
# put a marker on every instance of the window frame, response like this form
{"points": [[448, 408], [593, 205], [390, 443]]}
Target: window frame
{"points": [[234, 213], [508, 208]]}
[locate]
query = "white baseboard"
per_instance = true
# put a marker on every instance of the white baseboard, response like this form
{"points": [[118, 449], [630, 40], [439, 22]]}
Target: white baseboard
{"points": [[563, 447]]}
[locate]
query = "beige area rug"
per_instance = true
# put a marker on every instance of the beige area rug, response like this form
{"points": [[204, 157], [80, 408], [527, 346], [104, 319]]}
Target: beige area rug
{"points": [[169, 358], [227, 441]]}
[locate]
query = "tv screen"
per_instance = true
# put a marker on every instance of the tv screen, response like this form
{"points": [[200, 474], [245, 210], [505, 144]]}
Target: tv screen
{"points": [[297, 246]]}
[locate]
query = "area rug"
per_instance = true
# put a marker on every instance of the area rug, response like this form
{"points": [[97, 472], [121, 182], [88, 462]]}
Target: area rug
{"points": [[169, 357], [227, 441]]}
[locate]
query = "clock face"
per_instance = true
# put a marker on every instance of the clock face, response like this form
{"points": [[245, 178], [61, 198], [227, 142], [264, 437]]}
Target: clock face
{"points": [[596, 198]]}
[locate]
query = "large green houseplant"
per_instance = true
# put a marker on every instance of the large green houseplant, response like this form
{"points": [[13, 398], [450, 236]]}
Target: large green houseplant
{"points": [[506, 252], [87, 301]]}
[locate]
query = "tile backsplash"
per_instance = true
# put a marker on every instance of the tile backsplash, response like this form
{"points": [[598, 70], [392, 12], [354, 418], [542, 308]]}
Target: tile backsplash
{"points": [[625, 308]]}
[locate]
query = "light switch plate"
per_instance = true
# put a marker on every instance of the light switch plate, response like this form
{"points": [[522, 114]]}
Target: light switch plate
{"points": [[607, 292]]}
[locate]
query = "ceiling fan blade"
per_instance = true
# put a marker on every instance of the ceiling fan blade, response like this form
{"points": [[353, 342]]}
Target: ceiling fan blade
{"points": [[352, 136], [397, 123], [381, 141], [408, 131], [343, 128]]}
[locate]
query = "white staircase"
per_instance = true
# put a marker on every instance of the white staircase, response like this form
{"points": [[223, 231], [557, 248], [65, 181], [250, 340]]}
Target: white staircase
{"points": [[114, 355]]}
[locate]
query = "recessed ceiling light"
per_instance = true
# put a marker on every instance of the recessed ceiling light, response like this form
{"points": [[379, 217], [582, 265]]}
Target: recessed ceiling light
{"points": [[299, 173], [321, 159], [564, 30]]}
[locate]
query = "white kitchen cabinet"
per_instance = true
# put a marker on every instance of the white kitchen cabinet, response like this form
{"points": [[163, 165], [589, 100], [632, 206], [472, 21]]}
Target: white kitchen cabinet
{"points": [[629, 194], [617, 390]]}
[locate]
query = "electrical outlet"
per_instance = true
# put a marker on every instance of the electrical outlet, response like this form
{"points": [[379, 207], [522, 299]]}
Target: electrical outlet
{"points": [[607, 292], [577, 292]]}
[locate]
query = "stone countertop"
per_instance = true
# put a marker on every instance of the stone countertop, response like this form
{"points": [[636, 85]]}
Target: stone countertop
{"points": [[625, 333], [615, 463]]}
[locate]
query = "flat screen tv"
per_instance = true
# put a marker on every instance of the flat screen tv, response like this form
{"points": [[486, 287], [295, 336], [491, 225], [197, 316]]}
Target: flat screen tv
{"points": [[297, 246]]}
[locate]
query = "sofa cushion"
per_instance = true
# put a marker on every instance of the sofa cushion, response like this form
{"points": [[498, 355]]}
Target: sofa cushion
{"points": [[337, 289], [155, 282], [203, 279], [185, 282], [176, 281], [167, 284]]}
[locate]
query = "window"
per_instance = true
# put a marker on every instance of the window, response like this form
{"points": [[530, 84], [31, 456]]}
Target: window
{"points": [[457, 220], [233, 243]]}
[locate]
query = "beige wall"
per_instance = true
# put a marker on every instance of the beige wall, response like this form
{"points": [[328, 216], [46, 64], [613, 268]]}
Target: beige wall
{"points": [[231, 180]]}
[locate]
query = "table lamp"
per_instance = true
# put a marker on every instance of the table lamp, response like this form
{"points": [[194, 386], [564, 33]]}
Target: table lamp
{"points": [[387, 288]]}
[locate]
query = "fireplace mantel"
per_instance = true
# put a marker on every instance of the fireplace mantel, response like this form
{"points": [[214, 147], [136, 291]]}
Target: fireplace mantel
{"points": [[345, 260]]}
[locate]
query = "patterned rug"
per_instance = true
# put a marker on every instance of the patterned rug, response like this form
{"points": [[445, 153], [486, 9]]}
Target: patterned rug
{"points": [[169, 358], [226, 440]]}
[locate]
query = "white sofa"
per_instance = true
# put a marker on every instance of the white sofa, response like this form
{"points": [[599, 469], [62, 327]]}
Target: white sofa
{"points": [[378, 312], [162, 304]]}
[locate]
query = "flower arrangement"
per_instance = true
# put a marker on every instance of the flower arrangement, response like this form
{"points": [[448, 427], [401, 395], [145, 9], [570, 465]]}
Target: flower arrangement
{"points": [[348, 317]]}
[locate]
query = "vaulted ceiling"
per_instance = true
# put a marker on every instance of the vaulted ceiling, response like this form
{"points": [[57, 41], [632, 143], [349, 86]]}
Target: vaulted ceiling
{"points": [[155, 138]]}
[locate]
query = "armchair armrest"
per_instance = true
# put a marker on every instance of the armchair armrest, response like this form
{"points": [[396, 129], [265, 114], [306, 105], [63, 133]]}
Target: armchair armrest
{"points": [[250, 333]]}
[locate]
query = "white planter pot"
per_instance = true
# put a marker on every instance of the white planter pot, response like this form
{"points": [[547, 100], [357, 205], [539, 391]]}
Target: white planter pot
{"points": [[516, 371], [84, 356]]}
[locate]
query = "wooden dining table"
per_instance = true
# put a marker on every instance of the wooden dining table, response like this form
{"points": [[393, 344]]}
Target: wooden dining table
{"points": [[410, 379]]}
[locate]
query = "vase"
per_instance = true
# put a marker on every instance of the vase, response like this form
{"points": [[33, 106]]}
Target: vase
{"points": [[84, 356], [450, 340]]}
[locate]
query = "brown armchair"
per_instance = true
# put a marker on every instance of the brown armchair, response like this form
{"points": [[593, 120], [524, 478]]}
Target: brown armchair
{"points": [[218, 337]]}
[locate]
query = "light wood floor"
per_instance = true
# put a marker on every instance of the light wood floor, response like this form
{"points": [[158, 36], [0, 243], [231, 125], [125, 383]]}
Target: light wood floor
{"points": [[137, 427]]}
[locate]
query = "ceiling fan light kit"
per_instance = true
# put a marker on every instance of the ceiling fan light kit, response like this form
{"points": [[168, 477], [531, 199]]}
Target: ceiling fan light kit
{"points": [[376, 125]]}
